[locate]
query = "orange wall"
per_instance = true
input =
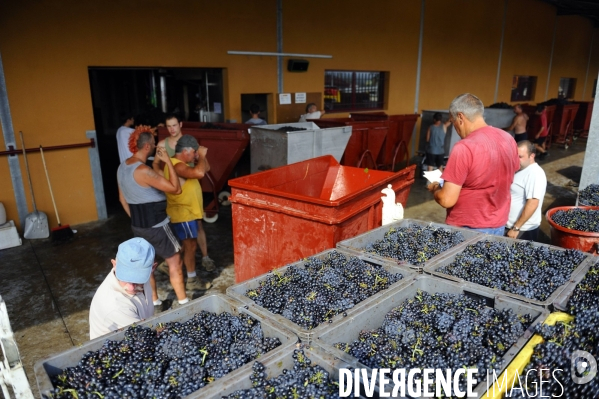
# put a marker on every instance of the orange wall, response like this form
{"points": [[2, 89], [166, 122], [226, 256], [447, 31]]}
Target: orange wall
{"points": [[384, 40], [526, 46], [572, 42], [47, 47], [460, 50]]}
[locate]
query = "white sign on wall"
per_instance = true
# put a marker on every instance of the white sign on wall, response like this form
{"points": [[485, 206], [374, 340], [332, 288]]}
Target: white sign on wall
{"points": [[300, 98], [284, 98]]}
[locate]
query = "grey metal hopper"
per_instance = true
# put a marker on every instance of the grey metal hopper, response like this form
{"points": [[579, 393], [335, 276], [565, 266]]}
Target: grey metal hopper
{"points": [[271, 148]]}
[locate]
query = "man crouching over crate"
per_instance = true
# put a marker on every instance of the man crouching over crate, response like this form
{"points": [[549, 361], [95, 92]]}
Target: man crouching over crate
{"points": [[125, 295]]}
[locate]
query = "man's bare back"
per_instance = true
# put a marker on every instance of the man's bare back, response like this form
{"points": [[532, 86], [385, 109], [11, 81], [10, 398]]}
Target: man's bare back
{"points": [[519, 123]]}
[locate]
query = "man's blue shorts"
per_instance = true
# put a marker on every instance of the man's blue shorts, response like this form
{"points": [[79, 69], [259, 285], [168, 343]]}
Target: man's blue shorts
{"points": [[186, 230]]}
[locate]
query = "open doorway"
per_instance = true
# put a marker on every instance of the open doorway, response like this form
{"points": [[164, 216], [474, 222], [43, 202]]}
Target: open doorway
{"points": [[147, 94], [263, 100]]}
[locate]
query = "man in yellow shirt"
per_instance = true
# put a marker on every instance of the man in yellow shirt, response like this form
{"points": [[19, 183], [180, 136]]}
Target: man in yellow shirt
{"points": [[186, 209]]}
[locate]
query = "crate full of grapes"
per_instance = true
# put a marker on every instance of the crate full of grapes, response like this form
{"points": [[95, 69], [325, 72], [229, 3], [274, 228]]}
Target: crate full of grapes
{"points": [[302, 372], [528, 271], [323, 289], [435, 324], [410, 242], [179, 353]]}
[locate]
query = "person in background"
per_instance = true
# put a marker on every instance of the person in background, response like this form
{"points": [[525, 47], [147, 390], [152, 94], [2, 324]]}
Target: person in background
{"points": [[186, 209], [476, 181], [125, 295], [312, 112], [519, 124], [527, 193], [173, 124], [541, 136], [122, 136], [255, 119], [141, 193], [435, 138]]}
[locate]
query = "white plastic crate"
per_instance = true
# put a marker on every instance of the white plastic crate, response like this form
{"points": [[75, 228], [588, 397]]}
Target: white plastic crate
{"points": [[9, 237], [13, 381]]}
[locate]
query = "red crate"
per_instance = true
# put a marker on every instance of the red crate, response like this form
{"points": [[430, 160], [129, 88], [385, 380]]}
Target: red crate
{"points": [[288, 213], [365, 143]]}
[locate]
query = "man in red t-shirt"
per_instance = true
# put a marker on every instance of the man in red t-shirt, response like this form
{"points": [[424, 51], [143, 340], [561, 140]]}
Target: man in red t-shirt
{"points": [[541, 135], [477, 179]]}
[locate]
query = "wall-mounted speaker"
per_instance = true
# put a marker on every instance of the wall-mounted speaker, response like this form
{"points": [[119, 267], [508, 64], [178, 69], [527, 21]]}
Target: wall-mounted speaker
{"points": [[297, 65]]}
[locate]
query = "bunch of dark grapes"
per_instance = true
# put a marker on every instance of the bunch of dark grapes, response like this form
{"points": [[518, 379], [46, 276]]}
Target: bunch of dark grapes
{"points": [[562, 339], [520, 268], [171, 361], [304, 381], [552, 360], [589, 196], [578, 219], [415, 244], [290, 129], [440, 331], [322, 289]]}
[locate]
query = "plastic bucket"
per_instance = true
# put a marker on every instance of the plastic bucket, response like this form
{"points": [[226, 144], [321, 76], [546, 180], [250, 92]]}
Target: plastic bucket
{"points": [[572, 239]]}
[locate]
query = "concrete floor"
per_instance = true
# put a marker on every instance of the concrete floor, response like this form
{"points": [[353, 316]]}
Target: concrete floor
{"points": [[48, 286]]}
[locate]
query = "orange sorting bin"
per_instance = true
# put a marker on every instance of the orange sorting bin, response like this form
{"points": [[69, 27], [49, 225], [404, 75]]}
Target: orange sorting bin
{"points": [[400, 129], [288, 213], [367, 139]]}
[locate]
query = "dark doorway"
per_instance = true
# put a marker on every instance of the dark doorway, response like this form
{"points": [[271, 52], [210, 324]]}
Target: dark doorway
{"points": [[248, 99], [147, 93]]}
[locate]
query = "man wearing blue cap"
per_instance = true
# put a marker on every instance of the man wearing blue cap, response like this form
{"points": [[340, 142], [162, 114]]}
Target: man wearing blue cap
{"points": [[125, 295]]}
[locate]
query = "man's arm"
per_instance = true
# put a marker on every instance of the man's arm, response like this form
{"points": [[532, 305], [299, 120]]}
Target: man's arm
{"points": [[446, 196], [196, 172], [540, 131], [145, 175], [529, 208], [124, 203], [446, 125], [428, 134]]}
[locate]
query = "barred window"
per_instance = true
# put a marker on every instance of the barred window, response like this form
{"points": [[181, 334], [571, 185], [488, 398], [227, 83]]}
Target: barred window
{"points": [[354, 90]]}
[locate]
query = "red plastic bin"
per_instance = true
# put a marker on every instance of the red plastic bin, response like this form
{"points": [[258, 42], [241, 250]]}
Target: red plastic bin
{"points": [[288, 213], [401, 128], [365, 143], [572, 239], [226, 143]]}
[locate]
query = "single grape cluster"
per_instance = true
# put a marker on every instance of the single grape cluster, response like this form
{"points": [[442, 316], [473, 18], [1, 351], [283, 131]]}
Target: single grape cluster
{"points": [[522, 268], [440, 331], [578, 219], [323, 288], [589, 196], [303, 381], [415, 244], [168, 362]]}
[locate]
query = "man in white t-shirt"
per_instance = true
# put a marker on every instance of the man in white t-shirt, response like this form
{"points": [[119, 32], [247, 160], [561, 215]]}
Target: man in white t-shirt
{"points": [[122, 137], [125, 295], [528, 191]]}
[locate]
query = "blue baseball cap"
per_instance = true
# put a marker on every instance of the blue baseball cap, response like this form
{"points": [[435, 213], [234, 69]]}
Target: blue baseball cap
{"points": [[134, 261]]}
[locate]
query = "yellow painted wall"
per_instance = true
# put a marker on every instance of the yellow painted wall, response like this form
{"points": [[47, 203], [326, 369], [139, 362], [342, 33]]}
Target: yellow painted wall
{"points": [[526, 46], [48, 45], [572, 42], [460, 50], [386, 39]]}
